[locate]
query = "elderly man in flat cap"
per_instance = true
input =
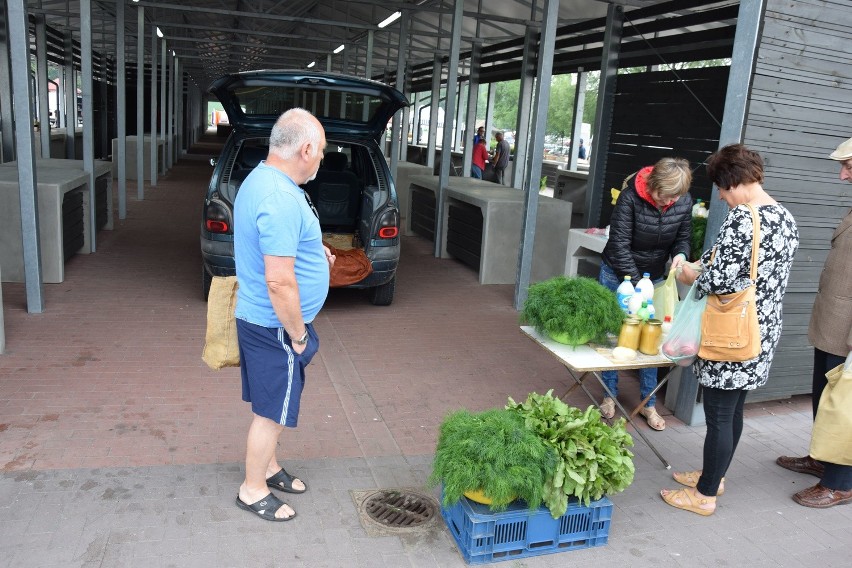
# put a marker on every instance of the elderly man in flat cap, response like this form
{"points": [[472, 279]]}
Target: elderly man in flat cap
{"points": [[830, 333]]}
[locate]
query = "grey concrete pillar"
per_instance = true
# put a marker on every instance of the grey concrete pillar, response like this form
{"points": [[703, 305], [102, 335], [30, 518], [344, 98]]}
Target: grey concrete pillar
{"points": [[577, 119], [431, 145], [603, 112], [536, 156], [69, 86], [121, 109], [140, 103], [472, 101], [19, 56], [449, 113], [522, 128], [86, 89], [43, 90], [154, 108]]}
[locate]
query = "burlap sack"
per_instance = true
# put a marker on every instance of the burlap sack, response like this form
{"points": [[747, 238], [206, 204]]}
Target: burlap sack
{"points": [[220, 344]]}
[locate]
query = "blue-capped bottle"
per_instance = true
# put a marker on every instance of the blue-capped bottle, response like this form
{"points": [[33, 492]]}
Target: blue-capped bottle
{"points": [[623, 293]]}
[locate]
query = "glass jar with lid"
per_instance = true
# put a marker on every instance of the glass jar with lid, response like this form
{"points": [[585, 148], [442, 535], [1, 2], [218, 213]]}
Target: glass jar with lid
{"points": [[650, 337], [631, 329]]}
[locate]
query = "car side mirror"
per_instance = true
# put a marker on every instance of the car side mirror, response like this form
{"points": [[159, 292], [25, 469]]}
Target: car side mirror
{"points": [[214, 161]]}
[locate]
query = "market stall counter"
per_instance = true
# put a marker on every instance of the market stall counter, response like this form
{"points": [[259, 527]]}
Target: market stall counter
{"points": [[62, 214], [583, 361], [482, 224]]}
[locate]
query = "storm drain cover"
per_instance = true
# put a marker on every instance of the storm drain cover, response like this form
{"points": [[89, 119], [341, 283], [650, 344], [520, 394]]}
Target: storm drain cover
{"points": [[396, 510]]}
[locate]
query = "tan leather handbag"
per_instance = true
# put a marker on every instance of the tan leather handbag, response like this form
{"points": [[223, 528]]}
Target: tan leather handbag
{"points": [[729, 326]]}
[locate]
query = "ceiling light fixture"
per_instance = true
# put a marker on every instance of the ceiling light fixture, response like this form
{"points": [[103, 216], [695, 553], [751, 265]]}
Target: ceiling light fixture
{"points": [[159, 33], [340, 48], [390, 19], [311, 64]]}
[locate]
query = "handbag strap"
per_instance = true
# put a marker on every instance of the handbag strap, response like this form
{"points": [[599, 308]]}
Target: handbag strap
{"points": [[755, 240]]}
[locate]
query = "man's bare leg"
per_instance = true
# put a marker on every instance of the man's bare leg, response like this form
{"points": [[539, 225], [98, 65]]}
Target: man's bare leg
{"points": [[260, 453]]}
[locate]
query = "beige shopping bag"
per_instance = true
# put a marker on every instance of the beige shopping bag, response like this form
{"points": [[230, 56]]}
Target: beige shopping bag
{"points": [[831, 440], [220, 345]]}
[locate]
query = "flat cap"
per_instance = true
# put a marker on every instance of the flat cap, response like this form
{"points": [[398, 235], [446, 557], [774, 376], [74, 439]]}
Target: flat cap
{"points": [[843, 152]]}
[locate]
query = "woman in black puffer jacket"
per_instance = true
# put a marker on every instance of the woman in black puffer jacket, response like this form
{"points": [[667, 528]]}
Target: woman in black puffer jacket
{"points": [[651, 222]]}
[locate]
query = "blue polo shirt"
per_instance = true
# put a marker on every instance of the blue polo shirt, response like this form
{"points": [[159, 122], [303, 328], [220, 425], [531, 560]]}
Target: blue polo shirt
{"points": [[272, 217]]}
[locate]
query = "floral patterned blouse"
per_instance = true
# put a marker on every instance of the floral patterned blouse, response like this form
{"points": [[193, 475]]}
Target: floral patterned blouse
{"points": [[779, 239]]}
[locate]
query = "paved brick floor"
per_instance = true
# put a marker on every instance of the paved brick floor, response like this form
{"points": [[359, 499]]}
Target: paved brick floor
{"points": [[118, 447]]}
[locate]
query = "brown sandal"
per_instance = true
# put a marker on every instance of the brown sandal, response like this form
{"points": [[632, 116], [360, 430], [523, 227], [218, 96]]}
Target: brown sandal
{"points": [[690, 479], [688, 501], [655, 421]]}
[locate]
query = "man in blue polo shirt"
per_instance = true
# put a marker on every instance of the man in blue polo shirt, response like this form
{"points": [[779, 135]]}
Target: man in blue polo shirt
{"points": [[283, 274]]}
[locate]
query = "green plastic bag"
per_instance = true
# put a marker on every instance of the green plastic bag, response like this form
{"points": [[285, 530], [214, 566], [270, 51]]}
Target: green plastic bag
{"points": [[665, 297]]}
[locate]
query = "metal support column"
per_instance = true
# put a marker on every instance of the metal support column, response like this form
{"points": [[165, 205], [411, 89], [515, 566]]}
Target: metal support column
{"points": [[121, 110], [536, 156], [406, 116], [449, 113], [603, 113], [7, 122], [472, 101], [432, 143], [525, 99], [368, 71], [155, 158], [170, 112], [743, 61], [397, 136], [69, 85], [577, 119], [140, 103], [489, 114], [86, 89], [43, 90], [164, 83], [19, 52]]}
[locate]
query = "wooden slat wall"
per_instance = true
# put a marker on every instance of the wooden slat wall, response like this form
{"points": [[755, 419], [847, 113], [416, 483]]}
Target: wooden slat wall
{"points": [[659, 114], [800, 109]]}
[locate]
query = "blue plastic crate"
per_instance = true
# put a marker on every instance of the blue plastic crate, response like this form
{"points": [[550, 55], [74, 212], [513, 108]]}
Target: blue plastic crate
{"points": [[484, 536]]}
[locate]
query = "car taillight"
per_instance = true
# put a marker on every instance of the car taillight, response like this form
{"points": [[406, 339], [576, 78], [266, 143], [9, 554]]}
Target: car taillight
{"points": [[217, 218], [389, 224]]}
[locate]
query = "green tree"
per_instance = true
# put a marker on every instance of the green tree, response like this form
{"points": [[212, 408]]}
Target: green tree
{"points": [[506, 104], [560, 111]]}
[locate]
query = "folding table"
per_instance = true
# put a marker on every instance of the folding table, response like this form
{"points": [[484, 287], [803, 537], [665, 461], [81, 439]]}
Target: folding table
{"points": [[583, 361]]}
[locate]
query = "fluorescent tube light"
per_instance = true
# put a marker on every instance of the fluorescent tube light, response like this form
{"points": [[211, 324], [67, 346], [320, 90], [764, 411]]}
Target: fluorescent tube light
{"points": [[311, 64], [390, 19], [340, 48], [159, 33]]}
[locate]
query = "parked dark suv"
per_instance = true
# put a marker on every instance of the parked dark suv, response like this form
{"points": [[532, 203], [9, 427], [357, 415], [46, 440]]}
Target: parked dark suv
{"points": [[353, 191]]}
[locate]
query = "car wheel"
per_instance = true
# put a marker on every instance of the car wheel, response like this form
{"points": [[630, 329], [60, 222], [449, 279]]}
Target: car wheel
{"points": [[382, 295], [206, 280]]}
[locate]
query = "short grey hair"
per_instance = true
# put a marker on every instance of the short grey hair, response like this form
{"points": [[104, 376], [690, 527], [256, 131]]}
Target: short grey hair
{"points": [[293, 129]]}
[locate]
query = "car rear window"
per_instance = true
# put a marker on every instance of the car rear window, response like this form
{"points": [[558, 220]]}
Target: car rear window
{"points": [[322, 103]]}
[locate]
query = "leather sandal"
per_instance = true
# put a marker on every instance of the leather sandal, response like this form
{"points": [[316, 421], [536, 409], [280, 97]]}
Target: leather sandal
{"points": [[607, 408], [688, 501], [655, 421], [690, 479]]}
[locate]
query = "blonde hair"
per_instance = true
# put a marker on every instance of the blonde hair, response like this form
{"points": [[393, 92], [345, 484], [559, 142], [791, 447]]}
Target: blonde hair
{"points": [[671, 177]]}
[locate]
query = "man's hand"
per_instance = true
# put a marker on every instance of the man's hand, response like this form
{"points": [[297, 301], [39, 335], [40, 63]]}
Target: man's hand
{"points": [[329, 257]]}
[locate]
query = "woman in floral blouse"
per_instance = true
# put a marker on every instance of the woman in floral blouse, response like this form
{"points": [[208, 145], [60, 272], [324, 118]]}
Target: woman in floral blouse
{"points": [[738, 173]]}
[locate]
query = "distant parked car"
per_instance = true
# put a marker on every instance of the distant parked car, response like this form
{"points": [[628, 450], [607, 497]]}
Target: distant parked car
{"points": [[353, 191]]}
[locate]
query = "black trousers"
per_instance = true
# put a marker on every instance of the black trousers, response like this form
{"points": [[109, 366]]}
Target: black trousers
{"points": [[723, 411], [836, 476]]}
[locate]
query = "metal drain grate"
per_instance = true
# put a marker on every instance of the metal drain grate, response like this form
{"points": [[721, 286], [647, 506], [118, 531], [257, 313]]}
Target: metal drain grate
{"points": [[399, 509]]}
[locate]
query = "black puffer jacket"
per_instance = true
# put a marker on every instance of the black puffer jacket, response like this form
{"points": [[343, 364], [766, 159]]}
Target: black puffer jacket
{"points": [[642, 238]]}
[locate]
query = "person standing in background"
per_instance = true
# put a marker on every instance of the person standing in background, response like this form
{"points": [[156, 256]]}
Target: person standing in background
{"points": [[477, 163], [500, 159], [830, 332]]}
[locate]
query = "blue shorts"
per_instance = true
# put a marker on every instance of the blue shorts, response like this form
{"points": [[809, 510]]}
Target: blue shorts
{"points": [[273, 374]]}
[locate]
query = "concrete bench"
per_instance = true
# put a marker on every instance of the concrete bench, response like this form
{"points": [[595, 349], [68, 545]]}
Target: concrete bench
{"points": [[404, 173], [130, 152]]}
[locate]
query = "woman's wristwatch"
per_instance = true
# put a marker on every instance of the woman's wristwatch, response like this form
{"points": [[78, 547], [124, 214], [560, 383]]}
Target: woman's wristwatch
{"points": [[302, 340]]}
